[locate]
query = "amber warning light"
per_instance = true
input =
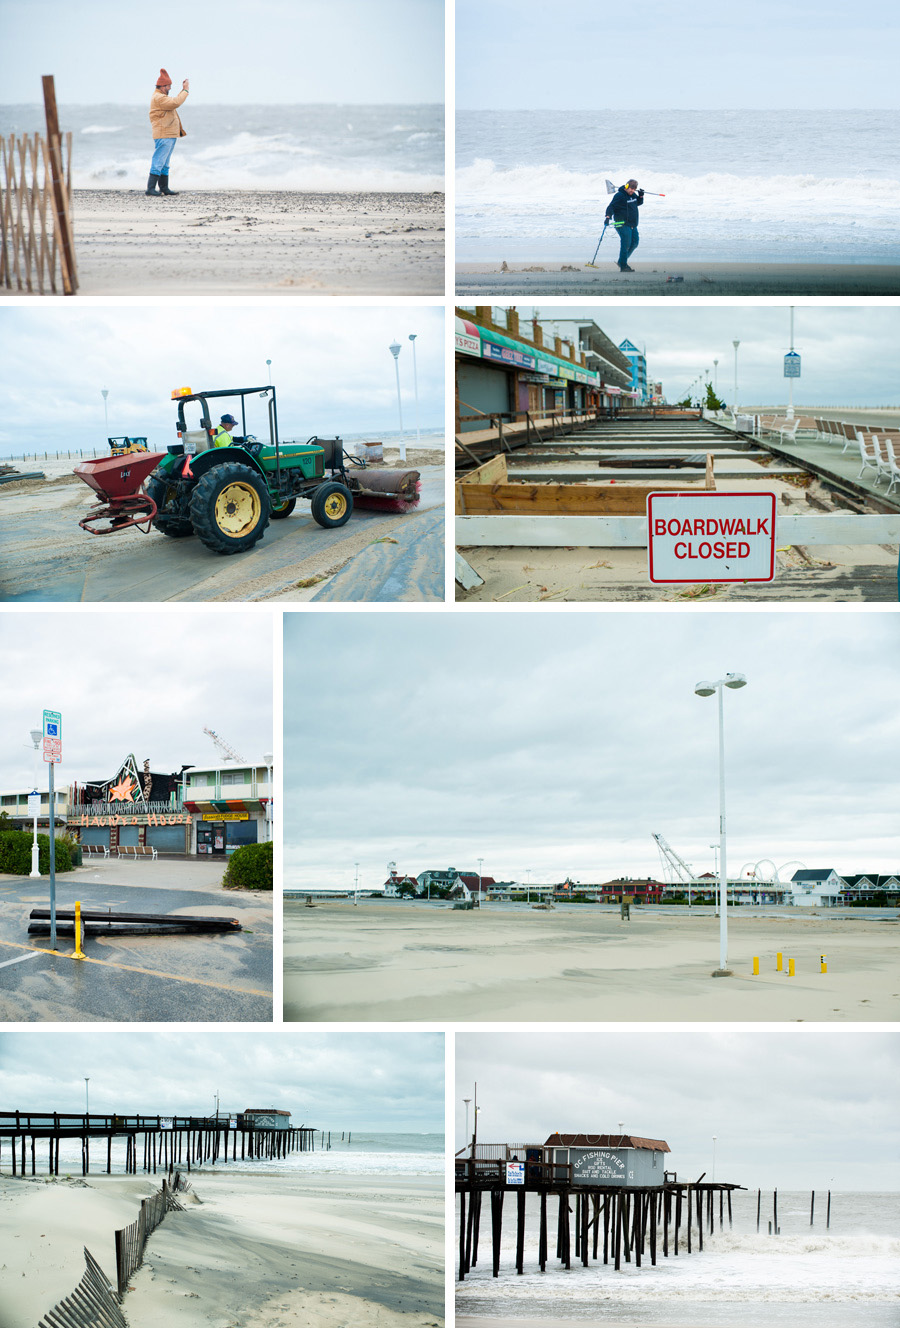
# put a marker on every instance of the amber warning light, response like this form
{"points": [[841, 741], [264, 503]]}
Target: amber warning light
{"points": [[181, 392]]}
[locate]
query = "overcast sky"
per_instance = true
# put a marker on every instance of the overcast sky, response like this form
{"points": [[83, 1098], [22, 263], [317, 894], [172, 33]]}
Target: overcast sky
{"points": [[813, 1110], [332, 369], [392, 1081], [284, 51], [141, 683], [848, 355], [814, 53], [561, 745]]}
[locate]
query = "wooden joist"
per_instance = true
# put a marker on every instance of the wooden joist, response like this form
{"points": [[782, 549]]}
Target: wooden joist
{"points": [[612, 532]]}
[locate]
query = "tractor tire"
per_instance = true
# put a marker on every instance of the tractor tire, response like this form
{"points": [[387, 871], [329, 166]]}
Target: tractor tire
{"points": [[230, 508], [332, 505], [279, 513], [173, 526]]}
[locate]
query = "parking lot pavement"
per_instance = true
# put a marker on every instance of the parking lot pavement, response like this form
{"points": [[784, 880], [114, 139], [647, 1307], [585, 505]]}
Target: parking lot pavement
{"points": [[187, 978]]}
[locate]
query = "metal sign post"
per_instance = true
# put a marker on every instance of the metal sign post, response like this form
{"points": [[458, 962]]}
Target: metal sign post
{"points": [[52, 754]]}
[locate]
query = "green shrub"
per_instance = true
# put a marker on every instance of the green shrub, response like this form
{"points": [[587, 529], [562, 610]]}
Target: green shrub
{"points": [[249, 868], [15, 853]]}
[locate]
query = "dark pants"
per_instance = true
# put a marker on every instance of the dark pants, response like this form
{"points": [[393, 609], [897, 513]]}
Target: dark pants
{"points": [[628, 242]]}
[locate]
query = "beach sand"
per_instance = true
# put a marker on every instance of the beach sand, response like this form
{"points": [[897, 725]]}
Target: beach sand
{"points": [[411, 961], [467, 1321], [550, 277], [259, 1250], [253, 242]]}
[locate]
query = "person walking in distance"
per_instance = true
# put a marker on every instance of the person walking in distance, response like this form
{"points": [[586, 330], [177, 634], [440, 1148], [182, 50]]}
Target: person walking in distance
{"points": [[623, 212], [167, 129]]}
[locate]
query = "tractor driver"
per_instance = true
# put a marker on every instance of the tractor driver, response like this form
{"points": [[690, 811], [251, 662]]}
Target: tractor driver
{"points": [[223, 433]]}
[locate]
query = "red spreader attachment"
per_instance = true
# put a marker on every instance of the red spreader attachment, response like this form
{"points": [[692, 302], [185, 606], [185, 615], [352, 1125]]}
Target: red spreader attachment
{"points": [[386, 490], [117, 481]]}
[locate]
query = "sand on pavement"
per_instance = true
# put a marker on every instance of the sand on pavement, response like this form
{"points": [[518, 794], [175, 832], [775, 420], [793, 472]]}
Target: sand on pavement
{"points": [[656, 277], [418, 962]]}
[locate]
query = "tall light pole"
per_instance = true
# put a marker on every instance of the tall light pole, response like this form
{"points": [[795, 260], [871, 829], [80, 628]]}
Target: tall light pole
{"points": [[480, 892], [790, 409], [395, 349], [733, 680], [716, 385], [269, 757], [734, 407], [35, 799], [467, 1100], [412, 337], [356, 886], [714, 1158], [104, 392], [269, 368], [87, 1109]]}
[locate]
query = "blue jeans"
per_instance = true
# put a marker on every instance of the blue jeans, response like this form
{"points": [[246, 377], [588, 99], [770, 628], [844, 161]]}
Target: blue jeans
{"points": [[628, 242], [162, 151]]}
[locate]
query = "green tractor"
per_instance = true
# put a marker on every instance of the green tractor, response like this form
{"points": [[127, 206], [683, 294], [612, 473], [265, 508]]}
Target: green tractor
{"points": [[226, 495]]}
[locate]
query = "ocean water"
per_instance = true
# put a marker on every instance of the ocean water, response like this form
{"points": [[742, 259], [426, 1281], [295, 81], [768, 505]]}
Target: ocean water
{"points": [[778, 186], [366, 1154], [839, 1278], [315, 148]]}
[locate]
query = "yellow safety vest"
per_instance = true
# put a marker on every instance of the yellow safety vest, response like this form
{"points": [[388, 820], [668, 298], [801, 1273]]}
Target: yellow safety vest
{"points": [[222, 438]]}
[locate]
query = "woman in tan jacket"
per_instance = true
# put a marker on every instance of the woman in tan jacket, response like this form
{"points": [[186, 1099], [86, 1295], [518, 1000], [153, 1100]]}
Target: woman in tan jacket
{"points": [[166, 127]]}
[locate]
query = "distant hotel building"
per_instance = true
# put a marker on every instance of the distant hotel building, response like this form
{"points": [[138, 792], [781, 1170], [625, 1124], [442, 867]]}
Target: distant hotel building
{"points": [[638, 368]]}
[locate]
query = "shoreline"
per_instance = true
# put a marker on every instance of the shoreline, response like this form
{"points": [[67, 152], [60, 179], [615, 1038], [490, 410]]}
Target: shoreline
{"points": [[244, 242], [655, 277], [258, 1249]]}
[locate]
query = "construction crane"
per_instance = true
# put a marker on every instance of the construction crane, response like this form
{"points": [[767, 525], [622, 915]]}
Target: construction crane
{"points": [[675, 869], [228, 752]]}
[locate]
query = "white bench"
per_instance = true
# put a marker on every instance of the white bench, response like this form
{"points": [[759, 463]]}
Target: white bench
{"points": [[136, 851], [95, 850]]}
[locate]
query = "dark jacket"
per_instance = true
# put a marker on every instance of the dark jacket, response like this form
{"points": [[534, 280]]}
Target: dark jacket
{"points": [[624, 206]]}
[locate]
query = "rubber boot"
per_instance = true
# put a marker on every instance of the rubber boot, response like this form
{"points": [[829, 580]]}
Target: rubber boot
{"points": [[151, 184], [164, 187]]}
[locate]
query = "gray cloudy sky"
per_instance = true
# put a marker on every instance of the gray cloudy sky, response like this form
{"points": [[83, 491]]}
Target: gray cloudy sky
{"points": [[560, 742], [145, 683], [388, 1081], [849, 355], [332, 369], [810, 1110], [285, 51], [810, 54]]}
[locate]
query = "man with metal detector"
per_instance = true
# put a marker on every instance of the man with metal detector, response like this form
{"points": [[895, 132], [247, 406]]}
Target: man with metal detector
{"points": [[623, 212]]}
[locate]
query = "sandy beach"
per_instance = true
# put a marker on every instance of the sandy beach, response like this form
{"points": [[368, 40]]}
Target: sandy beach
{"points": [[547, 277], [244, 242], [257, 1251], [414, 961]]}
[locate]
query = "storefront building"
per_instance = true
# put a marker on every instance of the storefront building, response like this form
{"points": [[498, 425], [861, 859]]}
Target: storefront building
{"points": [[203, 811], [504, 368]]}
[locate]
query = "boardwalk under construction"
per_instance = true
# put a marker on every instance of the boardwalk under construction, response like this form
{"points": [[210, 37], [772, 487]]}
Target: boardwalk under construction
{"points": [[152, 1143]]}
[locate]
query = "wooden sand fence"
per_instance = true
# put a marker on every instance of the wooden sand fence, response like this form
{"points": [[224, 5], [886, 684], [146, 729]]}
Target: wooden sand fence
{"points": [[37, 245], [131, 1241], [93, 1304]]}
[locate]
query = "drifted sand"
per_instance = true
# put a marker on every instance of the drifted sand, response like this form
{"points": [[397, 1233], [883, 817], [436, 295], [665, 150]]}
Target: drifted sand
{"points": [[250, 242], [399, 961], [467, 1321], [258, 1250], [650, 277]]}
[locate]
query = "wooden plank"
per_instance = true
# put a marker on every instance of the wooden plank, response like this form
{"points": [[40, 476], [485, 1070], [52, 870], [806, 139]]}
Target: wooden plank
{"points": [[60, 193], [491, 472], [630, 532], [550, 499]]}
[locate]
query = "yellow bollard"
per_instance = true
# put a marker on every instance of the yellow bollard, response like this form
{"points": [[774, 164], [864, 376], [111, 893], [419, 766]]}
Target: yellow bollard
{"points": [[791, 968], [823, 963], [79, 953], [756, 966], [779, 962]]}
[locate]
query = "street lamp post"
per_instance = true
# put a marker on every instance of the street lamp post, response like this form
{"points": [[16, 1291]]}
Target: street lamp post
{"points": [[734, 681], [87, 1109], [269, 757], [269, 368], [356, 886], [35, 735], [104, 392], [790, 409], [412, 337], [467, 1100], [716, 369], [480, 892], [734, 407], [714, 1158], [395, 349]]}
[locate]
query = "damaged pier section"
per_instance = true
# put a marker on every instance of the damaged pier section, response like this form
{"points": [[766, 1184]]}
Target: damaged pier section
{"points": [[611, 1191]]}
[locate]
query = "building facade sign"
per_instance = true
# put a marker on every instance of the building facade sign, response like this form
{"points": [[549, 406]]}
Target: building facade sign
{"points": [[506, 355], [596, 1164], [137, 818], [225, 816]]}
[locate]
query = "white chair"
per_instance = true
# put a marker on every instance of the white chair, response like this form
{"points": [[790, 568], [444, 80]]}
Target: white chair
{"points": [[869, 455], [893, 462]]}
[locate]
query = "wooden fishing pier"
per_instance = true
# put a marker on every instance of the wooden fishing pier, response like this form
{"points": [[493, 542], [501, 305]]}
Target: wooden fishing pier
{"points": [[604, 1186], [152, 1143]]}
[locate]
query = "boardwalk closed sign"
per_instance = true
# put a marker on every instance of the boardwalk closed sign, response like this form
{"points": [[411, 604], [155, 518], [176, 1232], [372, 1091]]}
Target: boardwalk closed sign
{"points": [[710, 537]]}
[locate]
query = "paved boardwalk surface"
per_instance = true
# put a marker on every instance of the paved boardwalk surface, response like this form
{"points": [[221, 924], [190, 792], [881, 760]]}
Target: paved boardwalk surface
{"points": [[129, 978]]}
